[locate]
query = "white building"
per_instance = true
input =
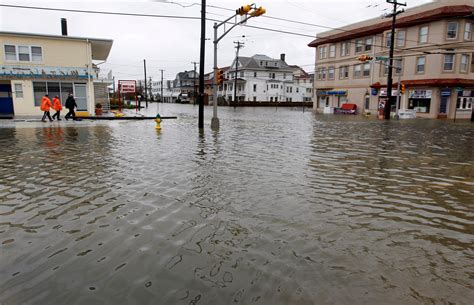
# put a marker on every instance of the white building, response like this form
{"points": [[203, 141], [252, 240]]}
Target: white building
{"points": [[264, 79]]}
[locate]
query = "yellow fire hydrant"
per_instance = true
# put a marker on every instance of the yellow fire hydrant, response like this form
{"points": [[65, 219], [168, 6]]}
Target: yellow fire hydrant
{"points": [[158, 122]]}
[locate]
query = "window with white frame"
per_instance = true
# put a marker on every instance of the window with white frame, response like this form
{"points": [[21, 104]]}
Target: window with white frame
{"points": [[331, 73], [468, 31], [23, 53], [332, 51], [357, 70], [448, 63], [10, 52], [464, 63], [398, 67], [359, 45], [423, 34], [322, 52], [345, 49], [18, 90], [464, 103], [420, 64], [452, 30], [388, 38], [321, 73], [401, 38], [368, 44], [343, 72], [366, 69]]}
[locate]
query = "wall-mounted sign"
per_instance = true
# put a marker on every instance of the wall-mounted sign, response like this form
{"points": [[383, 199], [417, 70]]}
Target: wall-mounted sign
{"points": [[36, 72], [466, 93], [445, 92], [127, 86], [331, 92], [374, 91], [418, 93]]}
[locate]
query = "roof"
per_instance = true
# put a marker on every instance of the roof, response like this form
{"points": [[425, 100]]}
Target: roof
{"points": [[412, 17], [100, 47], [253, 63]]}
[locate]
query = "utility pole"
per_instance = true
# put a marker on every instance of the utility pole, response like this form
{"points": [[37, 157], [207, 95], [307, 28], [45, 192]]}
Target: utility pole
{"points": [[146, 96], [161, 97], [394, 14], [195, 89], [238, 46], [201, 65]]}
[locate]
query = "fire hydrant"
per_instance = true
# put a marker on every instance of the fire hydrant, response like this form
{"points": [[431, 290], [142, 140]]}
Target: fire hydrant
{"points": [[158, 122]]}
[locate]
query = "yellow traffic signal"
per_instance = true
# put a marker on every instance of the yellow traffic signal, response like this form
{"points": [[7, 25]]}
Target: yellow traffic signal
{"points": [[243, 10], [219, 77], [257, 12], [402, 88], [364, 58]]}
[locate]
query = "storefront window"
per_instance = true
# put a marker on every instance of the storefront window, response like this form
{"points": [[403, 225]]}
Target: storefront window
{"points": [[464, 103], [39, 90], [52, 89], [421, 105]]}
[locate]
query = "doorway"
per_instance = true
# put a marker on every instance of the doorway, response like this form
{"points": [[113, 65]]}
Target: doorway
{"points": [[6, 100]]}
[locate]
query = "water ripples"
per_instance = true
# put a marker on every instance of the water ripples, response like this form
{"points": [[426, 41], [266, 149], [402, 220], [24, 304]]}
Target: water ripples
{"points": [[278, 207]]}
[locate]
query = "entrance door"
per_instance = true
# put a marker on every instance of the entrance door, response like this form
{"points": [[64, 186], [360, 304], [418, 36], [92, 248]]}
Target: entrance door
{"points": [[443, 107], [6, 99], [80, 94]]}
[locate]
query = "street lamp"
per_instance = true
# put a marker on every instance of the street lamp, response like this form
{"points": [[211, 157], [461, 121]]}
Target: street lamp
{"points": [[248, 11]]}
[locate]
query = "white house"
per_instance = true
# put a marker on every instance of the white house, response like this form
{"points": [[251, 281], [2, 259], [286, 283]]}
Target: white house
{"points": [[264, 79]]}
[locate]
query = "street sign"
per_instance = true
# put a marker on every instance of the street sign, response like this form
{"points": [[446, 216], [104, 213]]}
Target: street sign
{"points": [[381, 58], [127, 86]]}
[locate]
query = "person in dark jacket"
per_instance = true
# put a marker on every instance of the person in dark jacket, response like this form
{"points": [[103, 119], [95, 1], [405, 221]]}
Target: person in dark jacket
{"points": [[70, 104]]}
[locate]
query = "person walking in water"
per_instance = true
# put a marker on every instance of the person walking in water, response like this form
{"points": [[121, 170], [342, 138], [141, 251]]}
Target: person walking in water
{"points": [[58, 107], [46, 106], [70, 104]]}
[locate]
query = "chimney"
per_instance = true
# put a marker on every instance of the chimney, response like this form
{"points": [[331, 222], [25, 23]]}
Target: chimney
{"points": [[282, 56], [64, 26]]}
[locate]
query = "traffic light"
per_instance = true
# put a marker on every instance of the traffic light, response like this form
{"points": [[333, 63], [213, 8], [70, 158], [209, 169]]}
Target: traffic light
{"points": [[257, 12], [243, 10], [364, 58], [219, 77], [402, 88]]}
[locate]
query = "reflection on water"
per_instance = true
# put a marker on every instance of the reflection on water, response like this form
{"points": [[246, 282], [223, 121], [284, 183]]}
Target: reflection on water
{"points": [[278, 207]]}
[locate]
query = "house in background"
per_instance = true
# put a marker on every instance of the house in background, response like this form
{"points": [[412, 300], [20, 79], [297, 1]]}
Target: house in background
{"points": [[264, 79], [32, 65], [433, 49]]}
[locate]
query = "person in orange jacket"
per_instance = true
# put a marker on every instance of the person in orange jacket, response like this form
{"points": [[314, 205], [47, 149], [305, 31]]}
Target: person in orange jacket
{"points": [[46, 106], [57, 106]]}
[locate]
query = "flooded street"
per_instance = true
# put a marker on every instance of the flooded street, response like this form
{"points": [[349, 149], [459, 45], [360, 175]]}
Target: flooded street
{"points": [[278, 207]]}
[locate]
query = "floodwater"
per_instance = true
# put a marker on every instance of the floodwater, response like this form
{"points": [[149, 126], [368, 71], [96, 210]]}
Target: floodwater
{"points": [[278, 207]]}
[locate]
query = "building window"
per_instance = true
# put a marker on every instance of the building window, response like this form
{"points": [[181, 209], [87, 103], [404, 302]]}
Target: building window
{"points": [[357, 70], [448, 62], [464, 63], [423, 34], [343, 72], [397, 63], [10, 52], [271, 98], [464, 103], [331, 73], [322, 52], [388, 38], [401, 38], [284, 75], [255, 88], [254, 98], [420, 64], [242, 74], [345, 49], [452, 32], [18, 90], [321, 73], [358, 45], [468, 31], [366, 71], [368, 44], [254, 74], [332, 51], [297, 90]]}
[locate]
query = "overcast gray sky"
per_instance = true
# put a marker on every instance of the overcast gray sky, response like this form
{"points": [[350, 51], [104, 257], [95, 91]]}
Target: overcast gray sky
{"points": [[172, 44]]}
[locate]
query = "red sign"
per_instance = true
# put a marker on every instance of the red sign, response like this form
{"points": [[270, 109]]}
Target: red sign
{"points": [[127, 86]]}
